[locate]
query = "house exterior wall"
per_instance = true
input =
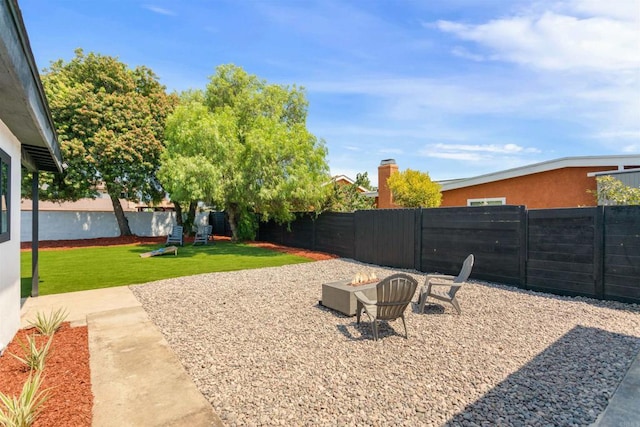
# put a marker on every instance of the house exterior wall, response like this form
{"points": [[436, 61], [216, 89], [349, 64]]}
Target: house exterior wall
{"points": [[559, 188], [10, 250]]}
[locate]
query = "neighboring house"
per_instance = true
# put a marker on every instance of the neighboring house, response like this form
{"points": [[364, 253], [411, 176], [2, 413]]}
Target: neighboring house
{"points": [[27, 139], [345, 180], [561, 183], [102, 203]]}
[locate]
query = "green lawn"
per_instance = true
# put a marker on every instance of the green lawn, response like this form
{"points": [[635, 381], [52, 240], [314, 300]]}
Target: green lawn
{"points": [[91, 268]]}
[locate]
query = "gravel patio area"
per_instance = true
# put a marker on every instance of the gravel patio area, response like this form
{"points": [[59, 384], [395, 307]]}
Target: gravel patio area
{"points": [[263, 352]]}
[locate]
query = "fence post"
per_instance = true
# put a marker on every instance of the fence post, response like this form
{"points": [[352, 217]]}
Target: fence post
{"points": [[313, 232], [598, 251], [524, 245], [417, 246]]}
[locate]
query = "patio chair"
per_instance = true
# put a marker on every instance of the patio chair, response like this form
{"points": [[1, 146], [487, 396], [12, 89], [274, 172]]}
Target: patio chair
{"points": [[454, 283], [394, 295], [175, 236], [202, 235]]}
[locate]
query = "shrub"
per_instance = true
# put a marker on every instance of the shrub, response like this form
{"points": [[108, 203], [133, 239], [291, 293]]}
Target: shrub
{"points": [[48, 325], [34, 357], [22, 411]]}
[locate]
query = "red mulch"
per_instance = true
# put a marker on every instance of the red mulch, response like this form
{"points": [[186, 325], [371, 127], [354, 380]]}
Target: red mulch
{"points": [[130, 240], [66, 372]]}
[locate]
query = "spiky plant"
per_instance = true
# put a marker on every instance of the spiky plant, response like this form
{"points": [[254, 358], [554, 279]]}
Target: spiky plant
{"points": [[49, 324], [22, 410], [34, 357]]}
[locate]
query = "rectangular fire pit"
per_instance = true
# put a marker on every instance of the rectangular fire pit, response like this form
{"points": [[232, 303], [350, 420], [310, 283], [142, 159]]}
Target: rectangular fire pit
{"points": [[339, 295]]}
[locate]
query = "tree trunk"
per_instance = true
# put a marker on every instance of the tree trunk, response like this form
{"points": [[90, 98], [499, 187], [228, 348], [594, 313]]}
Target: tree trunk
{"points": [[191, 215], [231, 213], [123, 223], [178, 208], [190, 220]]}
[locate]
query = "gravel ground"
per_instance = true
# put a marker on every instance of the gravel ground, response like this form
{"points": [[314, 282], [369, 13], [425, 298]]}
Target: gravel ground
{"points": [[263, 352]]}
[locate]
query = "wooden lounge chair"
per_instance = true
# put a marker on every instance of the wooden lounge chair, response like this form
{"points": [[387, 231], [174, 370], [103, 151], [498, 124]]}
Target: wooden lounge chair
{"points": [[202, 235], [175, 237], [453, 283], [394, 295]]}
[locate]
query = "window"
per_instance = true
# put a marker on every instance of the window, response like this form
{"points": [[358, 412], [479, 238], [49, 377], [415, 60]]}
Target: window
{"points": [[5, 196], [489, 201]]}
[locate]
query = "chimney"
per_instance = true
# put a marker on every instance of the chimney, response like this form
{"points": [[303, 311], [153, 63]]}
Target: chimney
{"points": [[385, 198]]}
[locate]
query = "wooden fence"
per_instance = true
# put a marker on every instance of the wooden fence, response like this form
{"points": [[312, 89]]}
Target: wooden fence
{"points": [[593, 252]]}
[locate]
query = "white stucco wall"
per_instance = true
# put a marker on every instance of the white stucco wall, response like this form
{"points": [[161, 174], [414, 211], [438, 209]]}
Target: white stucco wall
{"points": [[10, 250], [67, 225]]}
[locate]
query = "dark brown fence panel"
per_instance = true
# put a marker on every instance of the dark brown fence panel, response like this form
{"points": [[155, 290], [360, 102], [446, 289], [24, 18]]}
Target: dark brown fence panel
{"points": [[561, 251], [220, 223], [272, 232], [335, 233], [494, 234], [622, 253], [300, 233], [386, 237]]}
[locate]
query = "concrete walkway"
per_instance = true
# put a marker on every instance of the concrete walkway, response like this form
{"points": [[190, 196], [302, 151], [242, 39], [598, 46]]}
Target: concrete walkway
{"points": [[624, 407], [136, 378]]}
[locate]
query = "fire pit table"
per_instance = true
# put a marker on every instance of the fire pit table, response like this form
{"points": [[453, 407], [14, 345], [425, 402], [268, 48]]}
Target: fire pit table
{"points": [[339, 295]]}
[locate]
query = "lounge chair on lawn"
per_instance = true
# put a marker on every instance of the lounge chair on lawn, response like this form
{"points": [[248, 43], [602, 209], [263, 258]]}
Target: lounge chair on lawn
{"points": [[202, 235], [175, 237]]}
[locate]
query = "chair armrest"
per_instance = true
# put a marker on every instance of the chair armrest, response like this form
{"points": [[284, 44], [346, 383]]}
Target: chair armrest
{"points": [[429, 283], [363, 298], [440, 276]]}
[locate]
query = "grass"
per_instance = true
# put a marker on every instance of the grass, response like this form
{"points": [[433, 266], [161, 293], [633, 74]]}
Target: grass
{"points": [[92, 268]]}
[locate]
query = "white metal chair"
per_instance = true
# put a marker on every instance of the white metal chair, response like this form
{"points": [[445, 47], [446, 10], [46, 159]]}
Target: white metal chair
{"points": [[454, 283]]}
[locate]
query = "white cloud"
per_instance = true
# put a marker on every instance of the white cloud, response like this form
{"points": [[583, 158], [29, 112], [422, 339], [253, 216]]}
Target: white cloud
{"points": [[487, 153], [555, 41], [159, 10]]}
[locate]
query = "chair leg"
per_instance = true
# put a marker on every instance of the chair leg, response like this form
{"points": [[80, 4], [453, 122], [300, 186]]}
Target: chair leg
{"points": [[454, 303], [406, 334], [422, 299], [359, 308]]}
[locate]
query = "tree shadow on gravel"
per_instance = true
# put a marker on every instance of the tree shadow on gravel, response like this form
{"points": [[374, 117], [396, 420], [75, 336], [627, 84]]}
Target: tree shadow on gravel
{"points": [[570, 383]]}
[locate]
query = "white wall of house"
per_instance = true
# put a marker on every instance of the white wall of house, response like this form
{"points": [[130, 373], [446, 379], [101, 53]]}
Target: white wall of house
{"points": [[10, 250], [72, 225]]}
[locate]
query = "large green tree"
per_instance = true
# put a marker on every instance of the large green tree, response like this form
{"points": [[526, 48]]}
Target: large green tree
{"points": [[110, 122], [414, 189], [244, 147]]}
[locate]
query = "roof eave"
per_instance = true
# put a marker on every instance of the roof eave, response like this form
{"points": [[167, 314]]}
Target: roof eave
{"points": [[565, 162], [23, 106]]}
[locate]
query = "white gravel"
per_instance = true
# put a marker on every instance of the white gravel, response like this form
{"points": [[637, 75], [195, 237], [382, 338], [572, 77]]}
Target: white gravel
{"points": [[263, 352]]}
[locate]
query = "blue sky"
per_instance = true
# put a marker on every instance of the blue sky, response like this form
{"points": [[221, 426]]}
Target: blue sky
{"points": [[456, 88]]}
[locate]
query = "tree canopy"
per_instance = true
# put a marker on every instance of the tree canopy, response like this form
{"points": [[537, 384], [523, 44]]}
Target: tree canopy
{"points": [[612, 191], [244, 148], [110, 123], [413, 189], [348, 197]]}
